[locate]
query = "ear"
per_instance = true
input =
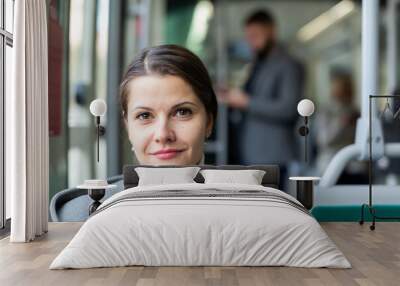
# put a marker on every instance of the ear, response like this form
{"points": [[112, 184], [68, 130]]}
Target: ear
{"points": [[125, 120], [272, 31]]}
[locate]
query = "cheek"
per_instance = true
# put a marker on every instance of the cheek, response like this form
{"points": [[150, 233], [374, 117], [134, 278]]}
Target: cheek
{"points": [[191, 132], [139, 136]]}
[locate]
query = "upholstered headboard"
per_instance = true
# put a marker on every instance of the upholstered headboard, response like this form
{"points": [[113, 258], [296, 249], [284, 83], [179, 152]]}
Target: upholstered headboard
{"points": [[270, 179]]}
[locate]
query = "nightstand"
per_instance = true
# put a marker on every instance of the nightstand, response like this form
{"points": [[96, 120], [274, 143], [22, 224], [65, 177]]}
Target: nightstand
{"points": [[96, 191], [305, 190]]}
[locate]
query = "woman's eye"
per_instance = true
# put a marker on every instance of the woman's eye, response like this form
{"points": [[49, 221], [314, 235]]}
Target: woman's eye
{"points": [[143, 116], [183, 112]]}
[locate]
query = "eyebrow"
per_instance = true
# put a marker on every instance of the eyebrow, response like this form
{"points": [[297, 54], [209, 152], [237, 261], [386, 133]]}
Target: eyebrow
{"points": [[176, 105]]}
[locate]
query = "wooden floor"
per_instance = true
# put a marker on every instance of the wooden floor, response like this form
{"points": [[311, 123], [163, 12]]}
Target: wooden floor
{"points": [[375, 257]]}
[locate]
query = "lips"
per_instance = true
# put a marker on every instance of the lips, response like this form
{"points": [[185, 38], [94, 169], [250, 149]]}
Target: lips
{"points": [[166, 154]]}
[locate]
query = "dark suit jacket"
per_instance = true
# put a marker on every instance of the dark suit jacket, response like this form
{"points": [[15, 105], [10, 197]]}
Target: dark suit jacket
{"points": [[268, 134]]}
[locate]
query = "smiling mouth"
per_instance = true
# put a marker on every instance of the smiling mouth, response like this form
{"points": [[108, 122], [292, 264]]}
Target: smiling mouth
{"points": [[168, 154]]}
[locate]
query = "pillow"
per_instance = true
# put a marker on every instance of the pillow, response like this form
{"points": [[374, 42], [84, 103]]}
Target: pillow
{"points": [[249, 177], [161, 176]]}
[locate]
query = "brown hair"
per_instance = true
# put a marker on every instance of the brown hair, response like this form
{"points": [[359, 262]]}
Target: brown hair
{"points": [[171, 60], [261, 17]]}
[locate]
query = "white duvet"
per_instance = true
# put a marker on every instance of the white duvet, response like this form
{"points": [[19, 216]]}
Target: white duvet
{"points": [[183, 231]]}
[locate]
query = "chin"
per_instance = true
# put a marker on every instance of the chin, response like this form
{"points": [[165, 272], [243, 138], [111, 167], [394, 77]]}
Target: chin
{"points": [[175, 161], [182, 159]]}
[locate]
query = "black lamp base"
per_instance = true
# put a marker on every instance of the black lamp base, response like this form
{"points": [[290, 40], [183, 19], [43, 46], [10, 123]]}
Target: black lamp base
{"points": [[96, 195]]}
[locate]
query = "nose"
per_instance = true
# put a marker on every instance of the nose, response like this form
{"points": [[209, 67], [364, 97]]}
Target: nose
{"points": [[164, 132]]}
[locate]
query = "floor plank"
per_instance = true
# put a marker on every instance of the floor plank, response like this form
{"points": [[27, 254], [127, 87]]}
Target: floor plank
{"points": [[374, 255]]}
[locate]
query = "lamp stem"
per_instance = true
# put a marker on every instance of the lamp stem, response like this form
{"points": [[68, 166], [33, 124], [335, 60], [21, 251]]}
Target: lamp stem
{"points": [[98, 136], [98, 139], [305, 138]]}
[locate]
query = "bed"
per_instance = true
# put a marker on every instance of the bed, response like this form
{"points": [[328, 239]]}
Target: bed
{"points": [[201, 224]]}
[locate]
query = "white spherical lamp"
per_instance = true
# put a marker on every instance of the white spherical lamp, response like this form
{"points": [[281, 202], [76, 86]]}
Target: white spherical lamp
{"points": [[98, 107], [305, 108]]}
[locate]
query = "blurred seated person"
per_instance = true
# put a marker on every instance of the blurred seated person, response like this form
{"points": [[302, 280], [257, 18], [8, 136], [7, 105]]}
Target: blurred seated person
{"points": [[168, 106], [336, 124]]}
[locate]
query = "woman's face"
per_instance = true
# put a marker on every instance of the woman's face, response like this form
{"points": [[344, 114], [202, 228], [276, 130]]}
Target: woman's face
{"points": [[167, 123]]}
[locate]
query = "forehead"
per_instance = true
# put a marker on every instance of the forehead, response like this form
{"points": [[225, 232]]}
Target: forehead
{"points": [[256, 28], [157, 91]]}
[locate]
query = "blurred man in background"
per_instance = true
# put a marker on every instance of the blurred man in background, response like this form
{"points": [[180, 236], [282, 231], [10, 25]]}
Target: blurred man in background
{"points": [[267, 101]]}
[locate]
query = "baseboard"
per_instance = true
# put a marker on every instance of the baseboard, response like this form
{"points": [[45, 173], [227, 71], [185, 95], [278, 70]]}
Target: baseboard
{"points": [[341, 213]]}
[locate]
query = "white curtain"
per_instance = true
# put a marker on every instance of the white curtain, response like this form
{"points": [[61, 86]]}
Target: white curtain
{"points": [[27, 136]]}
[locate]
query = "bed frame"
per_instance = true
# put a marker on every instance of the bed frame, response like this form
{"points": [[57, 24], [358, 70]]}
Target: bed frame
{"points": [[129, 179]]}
